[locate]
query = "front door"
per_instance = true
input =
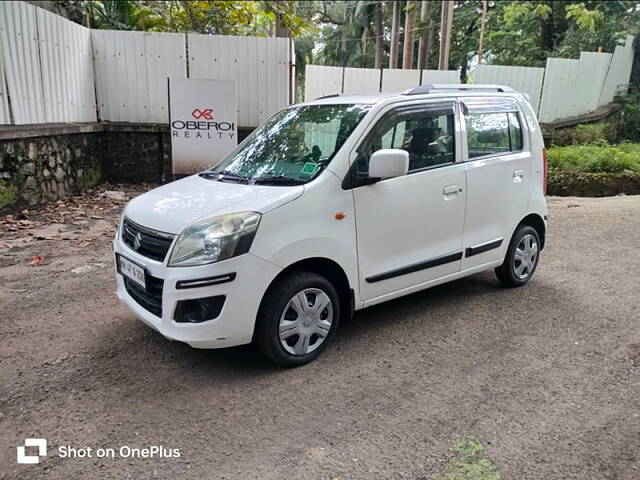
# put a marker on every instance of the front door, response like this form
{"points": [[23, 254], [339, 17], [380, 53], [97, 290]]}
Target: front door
{"points": [[409, 228]]}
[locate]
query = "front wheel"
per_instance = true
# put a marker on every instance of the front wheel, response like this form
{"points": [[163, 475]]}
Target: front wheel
{"points": [[521, 258], [297, 319]]}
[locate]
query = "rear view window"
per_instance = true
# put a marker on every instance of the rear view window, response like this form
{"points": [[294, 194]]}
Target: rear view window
{"points": [[493, 133]]}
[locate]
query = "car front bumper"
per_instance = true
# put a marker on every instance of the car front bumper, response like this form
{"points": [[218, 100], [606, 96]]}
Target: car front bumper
{"points": [[235, 323]]}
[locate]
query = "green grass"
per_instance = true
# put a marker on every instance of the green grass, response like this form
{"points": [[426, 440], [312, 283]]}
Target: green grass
{"points": [[467, 465], [595, 158]]}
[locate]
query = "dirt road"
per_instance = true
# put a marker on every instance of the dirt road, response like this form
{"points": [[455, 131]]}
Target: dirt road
{"points": [[546, 377]]}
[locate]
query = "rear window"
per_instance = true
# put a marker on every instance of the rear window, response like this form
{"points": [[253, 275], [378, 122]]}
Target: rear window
{"points": [[493, 133]]}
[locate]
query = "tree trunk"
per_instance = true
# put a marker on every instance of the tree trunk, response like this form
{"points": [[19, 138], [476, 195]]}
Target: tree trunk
{"points": [[279, 29], [343, 40], [407, 51], [364, 46], [424, 46], [377, 31], [395, 34], [482, 25], [446, 22]]}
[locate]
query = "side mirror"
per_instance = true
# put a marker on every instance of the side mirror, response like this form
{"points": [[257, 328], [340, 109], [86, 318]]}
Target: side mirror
{"points": [[388, 163]]}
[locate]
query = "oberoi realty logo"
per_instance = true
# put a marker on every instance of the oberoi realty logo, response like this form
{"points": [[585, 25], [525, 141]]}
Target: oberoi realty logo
{"points": [[205, 128], [206, 113]]}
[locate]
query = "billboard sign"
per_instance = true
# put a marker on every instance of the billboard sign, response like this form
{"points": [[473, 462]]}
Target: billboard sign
{"points": [[203, 121]]}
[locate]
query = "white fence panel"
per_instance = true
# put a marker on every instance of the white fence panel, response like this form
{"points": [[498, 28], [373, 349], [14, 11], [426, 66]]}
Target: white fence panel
{"points": [[260, 65], [440, 76], [361, 80], [619, 72], [523, 79], [561, 75], [592, 72], [67, 69], [5, 115], [19, 44], [131, 71], [321, 80], [325, 80], [396, 80]]}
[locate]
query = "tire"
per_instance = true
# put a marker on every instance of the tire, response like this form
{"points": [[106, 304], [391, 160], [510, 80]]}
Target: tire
{"points": [[520, 261], [282, 314]]}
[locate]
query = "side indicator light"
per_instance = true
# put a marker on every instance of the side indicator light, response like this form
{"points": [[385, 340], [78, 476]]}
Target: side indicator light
{"points": [[341, 215]]}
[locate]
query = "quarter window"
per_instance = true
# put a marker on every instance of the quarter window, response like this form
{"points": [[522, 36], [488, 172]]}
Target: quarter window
{"points": [[427, 135], [493, 133]]}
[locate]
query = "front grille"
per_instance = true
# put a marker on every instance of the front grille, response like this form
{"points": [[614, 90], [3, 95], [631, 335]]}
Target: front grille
{"points": [[149, 299], [147, 242]]}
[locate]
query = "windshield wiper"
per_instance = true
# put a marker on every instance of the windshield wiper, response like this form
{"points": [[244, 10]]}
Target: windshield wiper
{"points": [[223, 175], [277, 180]]}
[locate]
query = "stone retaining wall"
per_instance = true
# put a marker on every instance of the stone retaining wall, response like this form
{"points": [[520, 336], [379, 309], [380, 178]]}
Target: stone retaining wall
{"points": [[40, 163]]}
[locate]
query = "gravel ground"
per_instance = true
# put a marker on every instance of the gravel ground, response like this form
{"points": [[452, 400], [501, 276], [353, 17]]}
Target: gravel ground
{"points": [[545, 376]]}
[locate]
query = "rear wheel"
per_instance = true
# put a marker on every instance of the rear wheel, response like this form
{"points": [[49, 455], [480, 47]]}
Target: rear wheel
{"points": [[297, 319], [521, 259]]}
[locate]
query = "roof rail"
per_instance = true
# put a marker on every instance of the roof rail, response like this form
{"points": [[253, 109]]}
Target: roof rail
{"points": [[460, 87], [328, 96]]}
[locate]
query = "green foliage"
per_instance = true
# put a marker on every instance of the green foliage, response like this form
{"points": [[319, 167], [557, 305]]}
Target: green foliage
{"points": [[225, 17], [124, 15], [467, 465], [595, 158], [468, 447], [526, 33], [627, 123], [92, 177], [584, 134], [585, 19], [9, 196], [581, 184]]}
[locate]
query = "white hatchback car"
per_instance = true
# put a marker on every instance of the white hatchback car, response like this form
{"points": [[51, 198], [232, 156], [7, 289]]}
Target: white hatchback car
{"points": [[335, 205]]}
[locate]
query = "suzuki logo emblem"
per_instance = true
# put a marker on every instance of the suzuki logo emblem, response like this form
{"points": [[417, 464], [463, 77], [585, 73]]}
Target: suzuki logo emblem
{"points": [[206, 113], [136, 241]]}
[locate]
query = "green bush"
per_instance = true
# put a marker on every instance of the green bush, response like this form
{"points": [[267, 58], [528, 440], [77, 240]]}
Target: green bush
{"points": [[583, 134], [627, 122], [595, 158]]}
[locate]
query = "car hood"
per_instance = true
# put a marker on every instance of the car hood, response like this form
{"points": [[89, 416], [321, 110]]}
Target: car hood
{"points": [[173, 207]]}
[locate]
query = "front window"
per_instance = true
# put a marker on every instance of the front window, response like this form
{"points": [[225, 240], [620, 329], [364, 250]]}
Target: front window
{"points": [[426, 134], [292, 147]]}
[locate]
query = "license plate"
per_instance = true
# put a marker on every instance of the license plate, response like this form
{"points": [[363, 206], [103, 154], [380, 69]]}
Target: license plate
{"points": [[131, 270]]}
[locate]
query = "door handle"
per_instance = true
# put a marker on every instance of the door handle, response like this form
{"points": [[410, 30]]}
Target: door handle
{"points": [[518, 175], [450, 190]]}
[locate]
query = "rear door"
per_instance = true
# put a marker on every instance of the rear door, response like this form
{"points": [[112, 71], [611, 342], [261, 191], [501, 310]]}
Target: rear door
{"points": [[498, 175]]}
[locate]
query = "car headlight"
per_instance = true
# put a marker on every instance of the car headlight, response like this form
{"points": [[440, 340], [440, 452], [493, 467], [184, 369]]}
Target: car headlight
{"points": [[215, 239]]}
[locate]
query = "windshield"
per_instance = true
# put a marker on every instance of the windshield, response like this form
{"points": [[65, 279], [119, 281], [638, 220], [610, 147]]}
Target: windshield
{"points": [[292, 147]]}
